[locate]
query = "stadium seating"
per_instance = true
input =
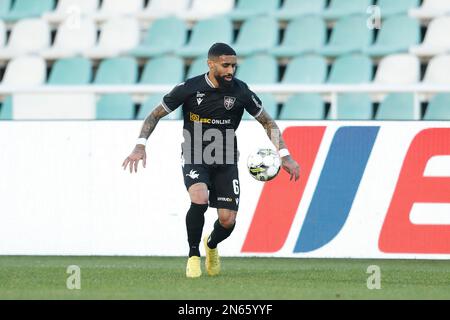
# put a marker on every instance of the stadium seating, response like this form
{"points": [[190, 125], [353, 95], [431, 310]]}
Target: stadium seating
{"points": [[438, 108], [151, 103], [22, 9], [270, 105], [306, 70], [344, 8], [28, 36], [351, 69], [6, 110], [71, 71], [163, 70], [352, 106], [157, 9], [436, 39], [204, 9], [168, 38], [303, 107], [303, 35], [72, 41], [165, 36], [22, 71], [389, 8], [66, 8], [204, 34], [25, 71], [260, 69], [349, 35], [438, 70], [252, 8], [118, 8], [397, 35], [257, 35], [116, 71], [115, 107], [198, 67], [431, 9], [293, 9], [397, 106], [398, 69], [118, 35], [2, 34]]}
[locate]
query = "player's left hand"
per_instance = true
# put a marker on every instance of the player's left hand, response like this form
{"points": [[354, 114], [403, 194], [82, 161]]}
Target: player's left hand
{"points": [[291, 167]]}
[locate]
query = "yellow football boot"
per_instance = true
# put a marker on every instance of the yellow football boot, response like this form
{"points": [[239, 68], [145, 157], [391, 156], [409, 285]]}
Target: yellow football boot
{"points": [[212, 262], [193, 269]]}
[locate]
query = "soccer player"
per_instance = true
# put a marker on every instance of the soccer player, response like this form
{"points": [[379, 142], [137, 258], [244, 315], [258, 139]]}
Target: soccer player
{"points": [[213, 105]]}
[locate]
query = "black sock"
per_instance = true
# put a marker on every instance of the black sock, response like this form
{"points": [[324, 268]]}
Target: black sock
{"points": [[219, 234], [195, 219]]}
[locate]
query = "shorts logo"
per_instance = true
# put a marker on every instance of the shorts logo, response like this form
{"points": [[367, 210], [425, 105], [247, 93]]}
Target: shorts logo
{"points": [[193, 175], [224, 199], [228, 102]]}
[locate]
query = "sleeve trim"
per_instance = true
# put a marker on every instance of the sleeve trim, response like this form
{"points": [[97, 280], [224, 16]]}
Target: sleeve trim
{"points": [[165, 106], [259, 113]]}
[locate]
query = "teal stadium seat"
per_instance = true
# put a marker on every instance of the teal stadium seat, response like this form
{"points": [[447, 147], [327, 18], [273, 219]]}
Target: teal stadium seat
{"points": [[390, 8], [344, 8], [306, 70], [198, 67], [353, 106], [163, 70], [116, 71], [350, 35], [123, 70], [260, 69], [438, 108], [257, 35], [204, 34], [308, 106], [269, 103], [397, 35], [303, 35], [71, 71], [151, 103], [115, 107], [22, 9], [6, 109], [293, 9], [5, 6], [165, 36], [351, 69], [251, 8], [397, 106]]}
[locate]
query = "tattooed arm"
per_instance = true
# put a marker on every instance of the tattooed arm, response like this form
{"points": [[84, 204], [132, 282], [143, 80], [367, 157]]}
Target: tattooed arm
{"points": [[147, 128], [274, 133]]}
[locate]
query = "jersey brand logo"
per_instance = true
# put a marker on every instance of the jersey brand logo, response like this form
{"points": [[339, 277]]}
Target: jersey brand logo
{"points": [[229, 102], [193, 175], [200, 97]]}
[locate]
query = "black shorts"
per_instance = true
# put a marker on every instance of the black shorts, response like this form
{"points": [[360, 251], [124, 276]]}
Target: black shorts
{"points": [[222, 182]]}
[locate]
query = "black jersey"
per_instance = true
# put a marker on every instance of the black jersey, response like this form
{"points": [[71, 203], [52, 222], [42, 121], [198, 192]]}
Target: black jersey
{"points": [[211, 117]]}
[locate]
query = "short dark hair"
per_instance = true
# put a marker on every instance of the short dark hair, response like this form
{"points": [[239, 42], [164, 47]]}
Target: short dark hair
{"points": [[220, 49]]}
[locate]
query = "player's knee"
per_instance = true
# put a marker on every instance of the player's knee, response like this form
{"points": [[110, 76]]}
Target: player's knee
{"points": [[199, 194], [199, 200], [228, 222]]}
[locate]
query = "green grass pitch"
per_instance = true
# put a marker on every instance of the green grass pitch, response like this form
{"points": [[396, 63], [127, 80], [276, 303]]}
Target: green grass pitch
{"points": [[162, 278]]}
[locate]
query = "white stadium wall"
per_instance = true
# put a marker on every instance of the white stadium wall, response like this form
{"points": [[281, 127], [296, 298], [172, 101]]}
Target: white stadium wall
{"points": [[367, 190]]}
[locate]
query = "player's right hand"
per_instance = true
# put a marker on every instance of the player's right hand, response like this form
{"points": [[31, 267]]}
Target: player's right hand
{"points": [[133, 159]]}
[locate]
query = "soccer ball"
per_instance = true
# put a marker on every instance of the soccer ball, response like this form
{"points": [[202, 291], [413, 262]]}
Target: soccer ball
{"points": [[264, 164]]}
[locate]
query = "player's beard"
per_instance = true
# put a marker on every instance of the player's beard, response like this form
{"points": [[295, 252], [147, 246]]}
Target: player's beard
{"points": [[223, 83]]}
